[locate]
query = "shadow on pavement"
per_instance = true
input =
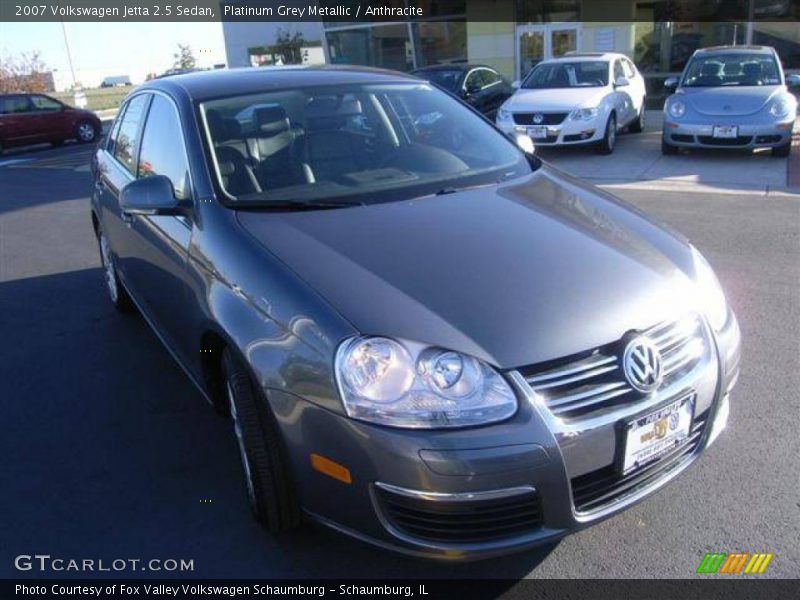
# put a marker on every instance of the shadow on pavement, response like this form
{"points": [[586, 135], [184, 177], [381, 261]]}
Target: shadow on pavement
{"points": [[109, 452]]}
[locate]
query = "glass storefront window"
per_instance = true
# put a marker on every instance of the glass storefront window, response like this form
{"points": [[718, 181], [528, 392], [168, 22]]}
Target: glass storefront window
{"points": [[386, 46], [438, 42], [784, 37]]}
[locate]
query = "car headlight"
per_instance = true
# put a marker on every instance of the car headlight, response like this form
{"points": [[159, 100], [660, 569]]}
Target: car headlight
{"points": [[406, 384], [710, 293], [584, 114], [503, 115], [779, 108], [677, 109]]}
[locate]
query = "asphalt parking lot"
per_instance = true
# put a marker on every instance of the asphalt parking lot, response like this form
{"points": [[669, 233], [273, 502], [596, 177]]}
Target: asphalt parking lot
{"points": [[108, 451]]}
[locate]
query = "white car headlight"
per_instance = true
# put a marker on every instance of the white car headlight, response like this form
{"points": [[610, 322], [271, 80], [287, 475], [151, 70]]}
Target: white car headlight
{"points": [[503, 115], [677, 109], [710, 294], [584, 114], [406, 384], [779, 108]]}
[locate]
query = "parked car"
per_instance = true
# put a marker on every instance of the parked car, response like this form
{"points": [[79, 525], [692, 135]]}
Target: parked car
{"points": [[731, 97], [438, 345], [577, 99], [116, 81], [480, 86], [35, 118]]}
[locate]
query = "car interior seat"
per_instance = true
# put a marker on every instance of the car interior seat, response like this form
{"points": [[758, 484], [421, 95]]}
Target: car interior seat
{"points": [[275, 150], [237, 176]]}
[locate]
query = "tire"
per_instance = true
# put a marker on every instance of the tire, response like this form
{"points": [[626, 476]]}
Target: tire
{"points": [[269, 487], [609, 141], [668, 149], [116, 291], [638, 125], [85, 132], [782, 151]]}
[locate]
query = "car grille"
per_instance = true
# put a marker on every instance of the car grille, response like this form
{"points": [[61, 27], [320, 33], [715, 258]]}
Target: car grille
{"points": [[585, 385], [462, 521], [607, 485], [742, 140], [547, 118]]}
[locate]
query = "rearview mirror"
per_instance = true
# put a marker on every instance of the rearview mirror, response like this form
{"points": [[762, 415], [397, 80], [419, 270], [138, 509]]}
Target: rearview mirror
{"points": [[621, 82], [516, 84], [670, 83], [793, 80], [153, 195]]}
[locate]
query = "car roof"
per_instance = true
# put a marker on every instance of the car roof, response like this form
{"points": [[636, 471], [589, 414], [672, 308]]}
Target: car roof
{"points": [[572, 56], [732, 49], [453, 66], [205, 85]]}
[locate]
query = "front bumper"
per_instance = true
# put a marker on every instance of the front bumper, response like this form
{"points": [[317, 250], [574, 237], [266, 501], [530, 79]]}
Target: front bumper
{"points": [[418, 492], [749, 135], [567, 133]]}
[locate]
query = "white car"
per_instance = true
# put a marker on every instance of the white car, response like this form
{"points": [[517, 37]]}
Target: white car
{"points": [[576, 99]]}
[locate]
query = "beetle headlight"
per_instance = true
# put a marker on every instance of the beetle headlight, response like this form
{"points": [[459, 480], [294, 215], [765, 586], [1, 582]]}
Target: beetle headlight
{"points": [[711, 297], [405, 384], [677, 109], [779, 108]]}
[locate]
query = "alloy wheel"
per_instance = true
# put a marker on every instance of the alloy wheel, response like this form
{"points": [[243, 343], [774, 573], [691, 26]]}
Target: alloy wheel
{"points": [[108, 269], [86, 132]]}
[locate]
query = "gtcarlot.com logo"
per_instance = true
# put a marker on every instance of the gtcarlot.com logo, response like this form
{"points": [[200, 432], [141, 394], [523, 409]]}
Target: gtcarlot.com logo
{"points": [[45, 562], [734, 563]]}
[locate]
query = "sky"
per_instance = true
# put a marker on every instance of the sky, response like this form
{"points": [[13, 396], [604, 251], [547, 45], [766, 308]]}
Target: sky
{"points": [[104, 49]]}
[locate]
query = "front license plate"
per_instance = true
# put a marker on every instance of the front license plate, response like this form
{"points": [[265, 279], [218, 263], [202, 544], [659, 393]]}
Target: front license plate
{"points": [[537, 132], [652, 436], [725, 131]]}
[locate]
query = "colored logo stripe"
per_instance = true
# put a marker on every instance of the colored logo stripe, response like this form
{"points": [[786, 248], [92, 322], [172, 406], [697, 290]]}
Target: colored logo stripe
{"points": [[721, 562]]}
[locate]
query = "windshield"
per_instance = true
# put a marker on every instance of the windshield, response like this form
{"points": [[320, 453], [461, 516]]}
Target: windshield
{"points": [[353, 144], [445, 78], [745, 69], [592, 73]]}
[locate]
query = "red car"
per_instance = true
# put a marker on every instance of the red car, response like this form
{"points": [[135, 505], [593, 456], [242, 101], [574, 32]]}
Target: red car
{"points": [[36, 118]]}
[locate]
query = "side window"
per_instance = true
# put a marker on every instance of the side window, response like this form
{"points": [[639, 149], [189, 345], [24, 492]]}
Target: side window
{"points": [[490, 77], [618, 72], [128, 134], [163, 151], [45, 104], [112, 135], [474, 80], [14, 104], [627, 67]]}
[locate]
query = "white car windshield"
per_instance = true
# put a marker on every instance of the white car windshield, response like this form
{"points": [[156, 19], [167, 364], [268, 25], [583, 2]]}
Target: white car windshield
{"points": [[745, 69], [589, 73], [353, 144]]}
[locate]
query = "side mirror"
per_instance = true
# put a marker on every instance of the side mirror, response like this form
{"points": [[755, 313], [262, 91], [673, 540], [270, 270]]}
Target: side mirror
{"points": [[621, 82], [516, 84], [793, 80], [153, 195], [670, 83]]}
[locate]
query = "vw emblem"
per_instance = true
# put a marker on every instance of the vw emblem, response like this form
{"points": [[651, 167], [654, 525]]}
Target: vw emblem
{"points": [[538, 118], [641, 363]]}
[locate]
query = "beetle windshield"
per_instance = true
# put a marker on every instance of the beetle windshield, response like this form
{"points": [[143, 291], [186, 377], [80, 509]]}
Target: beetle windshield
{"points": [[745, 69], [353, 143], [585, 73]]}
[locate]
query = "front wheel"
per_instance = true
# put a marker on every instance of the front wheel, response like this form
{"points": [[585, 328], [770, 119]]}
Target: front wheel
{"points": [[782, 151], [269, 488], [86, 132], [609, 141]]}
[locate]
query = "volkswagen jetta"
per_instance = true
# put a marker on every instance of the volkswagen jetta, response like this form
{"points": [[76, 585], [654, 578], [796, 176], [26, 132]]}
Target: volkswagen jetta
{"points": [[425, 337]]}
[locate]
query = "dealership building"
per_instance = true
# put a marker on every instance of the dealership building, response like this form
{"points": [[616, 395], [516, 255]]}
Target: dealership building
{"points": [[514, 35]]}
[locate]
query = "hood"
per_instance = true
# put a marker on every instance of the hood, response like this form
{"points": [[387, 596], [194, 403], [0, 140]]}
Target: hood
{"points": [[729, 102], [555, 99], [514, 274]]}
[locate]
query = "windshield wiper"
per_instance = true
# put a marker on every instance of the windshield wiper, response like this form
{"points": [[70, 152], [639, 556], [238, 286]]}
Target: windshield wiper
{"points": [[297, 205]]}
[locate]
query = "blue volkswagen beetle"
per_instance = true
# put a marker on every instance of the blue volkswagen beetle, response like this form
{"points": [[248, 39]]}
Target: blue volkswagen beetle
{"points": [[731, 97]]}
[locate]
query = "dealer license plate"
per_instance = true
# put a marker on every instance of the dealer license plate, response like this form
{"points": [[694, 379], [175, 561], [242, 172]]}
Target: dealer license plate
{"points": [[650, 437], [537, 132], [725, 131]]}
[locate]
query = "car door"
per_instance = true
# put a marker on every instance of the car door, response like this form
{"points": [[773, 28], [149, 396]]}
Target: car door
{"points": [[53, 120], [474, 90], [18, 124], [622, 97], [157, 245], [496, 91], [638, 91]]}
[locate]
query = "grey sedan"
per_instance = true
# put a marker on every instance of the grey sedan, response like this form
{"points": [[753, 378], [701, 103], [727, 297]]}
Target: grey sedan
{"points": [[731, 97], [432, 342]]}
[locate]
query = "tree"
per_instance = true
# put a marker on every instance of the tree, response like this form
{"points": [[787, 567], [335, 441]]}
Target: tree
{"points": [[289, 47], [26, 72], [184, 58]]}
